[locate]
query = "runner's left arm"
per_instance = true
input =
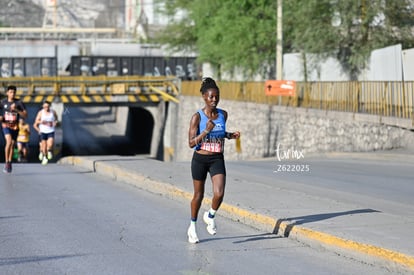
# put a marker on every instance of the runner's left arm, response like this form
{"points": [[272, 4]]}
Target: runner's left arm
{"points": [[21, 110]]}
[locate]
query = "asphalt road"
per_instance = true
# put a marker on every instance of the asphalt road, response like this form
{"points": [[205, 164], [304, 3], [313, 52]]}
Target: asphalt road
{"points": [[381, 180], [65, 220], [354, 204]]}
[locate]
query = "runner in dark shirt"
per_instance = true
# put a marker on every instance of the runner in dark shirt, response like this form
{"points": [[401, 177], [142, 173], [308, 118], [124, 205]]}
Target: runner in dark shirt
{"points": [[11, 109]]}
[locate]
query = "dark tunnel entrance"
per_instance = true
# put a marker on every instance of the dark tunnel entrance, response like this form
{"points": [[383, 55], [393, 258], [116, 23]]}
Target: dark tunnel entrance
{"points": [[95, 130], [109, 130], [139, 129]]}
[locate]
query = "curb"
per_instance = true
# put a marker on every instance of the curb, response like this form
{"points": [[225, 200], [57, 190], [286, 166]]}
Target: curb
{"points": [[369, 253]]}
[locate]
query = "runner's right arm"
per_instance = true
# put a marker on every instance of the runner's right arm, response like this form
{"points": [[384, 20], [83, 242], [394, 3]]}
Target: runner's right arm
{"points": [[37, 122]]}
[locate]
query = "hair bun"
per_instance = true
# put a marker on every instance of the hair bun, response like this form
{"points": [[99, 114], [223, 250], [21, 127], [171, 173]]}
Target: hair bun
{"points": [[208, 83], [208, 80]]}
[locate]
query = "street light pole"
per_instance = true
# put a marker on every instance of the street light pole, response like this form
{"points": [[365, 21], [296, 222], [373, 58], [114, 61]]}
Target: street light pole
{"points": [[279, 40]]}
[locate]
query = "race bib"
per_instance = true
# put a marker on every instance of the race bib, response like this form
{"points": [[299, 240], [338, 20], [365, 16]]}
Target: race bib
{"points": [[10, 117], [211, 147], [215, 146]]}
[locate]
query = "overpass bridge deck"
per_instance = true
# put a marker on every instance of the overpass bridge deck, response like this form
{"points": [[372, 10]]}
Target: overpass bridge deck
{"points": [[95, 89]]}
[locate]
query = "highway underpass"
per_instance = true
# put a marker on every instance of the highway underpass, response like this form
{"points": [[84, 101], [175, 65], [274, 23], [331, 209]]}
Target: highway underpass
{"points": [[103, 130], [102, 115]]}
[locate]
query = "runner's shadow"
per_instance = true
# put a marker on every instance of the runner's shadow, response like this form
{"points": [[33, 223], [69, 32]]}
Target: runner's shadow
{"points": [[49, 173], [292, 222], [254, 238], [246, 238], [34, 259], [10, 217]]}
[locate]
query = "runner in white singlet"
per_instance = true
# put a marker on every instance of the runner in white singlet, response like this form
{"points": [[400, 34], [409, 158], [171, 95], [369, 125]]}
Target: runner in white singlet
{"points": [[45, 123]]}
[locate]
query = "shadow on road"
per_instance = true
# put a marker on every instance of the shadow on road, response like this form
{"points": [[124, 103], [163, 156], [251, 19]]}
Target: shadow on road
{"points": [[246, 238], [10, 217], [294, 221], [30, 259]]}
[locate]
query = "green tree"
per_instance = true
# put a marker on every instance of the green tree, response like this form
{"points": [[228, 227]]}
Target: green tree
{"points": [[242, 33], [180, 33], [228, 34], [349, 30]]}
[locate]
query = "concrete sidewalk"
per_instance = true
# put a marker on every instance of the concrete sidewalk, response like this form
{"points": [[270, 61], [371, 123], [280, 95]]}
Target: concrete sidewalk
{"points": [[363, 233]]}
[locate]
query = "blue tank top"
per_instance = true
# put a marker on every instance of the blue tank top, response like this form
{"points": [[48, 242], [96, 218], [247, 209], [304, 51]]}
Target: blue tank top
{"points": [[214, 141]]}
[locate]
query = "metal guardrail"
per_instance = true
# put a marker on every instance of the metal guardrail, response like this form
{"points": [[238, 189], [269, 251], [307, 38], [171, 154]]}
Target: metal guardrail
{"points": [[94, 89], [384, 98]]}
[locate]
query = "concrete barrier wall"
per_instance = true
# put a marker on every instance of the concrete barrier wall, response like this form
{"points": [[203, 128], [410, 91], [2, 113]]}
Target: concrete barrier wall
{"points": [[266, 128]]}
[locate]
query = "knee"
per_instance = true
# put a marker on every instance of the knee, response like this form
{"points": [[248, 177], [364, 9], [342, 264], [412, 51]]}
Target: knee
{"points": [[198, 196], [219, 195]]}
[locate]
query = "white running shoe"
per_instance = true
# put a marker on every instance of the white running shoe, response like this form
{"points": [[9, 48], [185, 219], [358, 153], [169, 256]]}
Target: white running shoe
{"points": [[49, 155], [40, 156], [192, 235], [44, 161], [211, 224]]}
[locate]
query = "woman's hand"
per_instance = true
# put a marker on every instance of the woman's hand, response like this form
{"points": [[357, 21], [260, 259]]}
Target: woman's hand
{"points": [[210, 125], [235, 135]]}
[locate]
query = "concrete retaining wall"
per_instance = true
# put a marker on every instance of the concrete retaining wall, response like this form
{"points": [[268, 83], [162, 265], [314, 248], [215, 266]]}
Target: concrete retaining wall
{"points": [[266, 128]]}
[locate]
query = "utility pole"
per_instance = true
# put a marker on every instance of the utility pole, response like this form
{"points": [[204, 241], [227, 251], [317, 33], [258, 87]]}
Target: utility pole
{"points": [[279, 42]]}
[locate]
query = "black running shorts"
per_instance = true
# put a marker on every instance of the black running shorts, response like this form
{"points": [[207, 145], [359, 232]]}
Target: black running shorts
{"points": [[203, 164]]}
